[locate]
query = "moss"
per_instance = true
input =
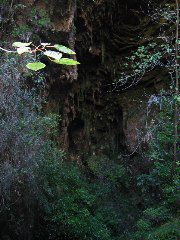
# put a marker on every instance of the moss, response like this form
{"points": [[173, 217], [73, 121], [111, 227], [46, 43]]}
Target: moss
{"points": [[21, 31], [40, 17]]}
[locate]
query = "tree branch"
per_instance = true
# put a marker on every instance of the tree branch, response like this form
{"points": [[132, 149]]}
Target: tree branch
{"points": [[8, 51], [176, 86]]}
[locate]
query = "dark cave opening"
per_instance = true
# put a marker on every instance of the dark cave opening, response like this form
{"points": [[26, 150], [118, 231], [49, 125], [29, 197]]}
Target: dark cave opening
{"points": [[75, 132]]}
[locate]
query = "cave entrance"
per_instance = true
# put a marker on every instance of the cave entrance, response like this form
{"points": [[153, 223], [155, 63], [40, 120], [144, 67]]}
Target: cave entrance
{"points": [[76, 133]]}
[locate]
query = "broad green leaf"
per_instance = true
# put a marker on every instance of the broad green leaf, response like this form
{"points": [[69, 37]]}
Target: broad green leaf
{"points": [[21, 44], [66, 61], [21, 50], [35, 66], [63, 49], [52, 54]]}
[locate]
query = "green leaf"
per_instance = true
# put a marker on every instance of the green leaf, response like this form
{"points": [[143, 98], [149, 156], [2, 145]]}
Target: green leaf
{"points": [[52, 54], [177, 98], [66, 61], [35, 66], [21, 50], [63, 49], [21, 44]]}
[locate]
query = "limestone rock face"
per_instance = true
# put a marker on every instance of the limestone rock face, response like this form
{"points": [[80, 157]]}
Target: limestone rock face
{"points": [[95, 114]]}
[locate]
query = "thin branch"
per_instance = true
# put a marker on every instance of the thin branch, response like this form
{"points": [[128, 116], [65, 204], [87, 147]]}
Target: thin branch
{"points": [[5, 50], [176, 85]]}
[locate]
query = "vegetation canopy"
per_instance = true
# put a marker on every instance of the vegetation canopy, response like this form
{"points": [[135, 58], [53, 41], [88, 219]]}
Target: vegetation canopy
{"points": [[89, 151]]}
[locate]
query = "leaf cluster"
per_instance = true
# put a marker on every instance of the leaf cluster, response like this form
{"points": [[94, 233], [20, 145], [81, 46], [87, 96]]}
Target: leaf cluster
{"points": [[43, 48]]}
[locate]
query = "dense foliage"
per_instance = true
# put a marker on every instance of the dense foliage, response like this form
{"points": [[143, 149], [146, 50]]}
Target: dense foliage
{"points": [[43, 196], [113, 196]]}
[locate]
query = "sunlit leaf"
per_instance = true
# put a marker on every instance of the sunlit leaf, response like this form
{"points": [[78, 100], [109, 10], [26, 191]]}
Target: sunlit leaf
{"points": [[45, 44], [21, 44], [21, 50], [178, 99], [52, 54], [35, 66], [64, 49], [66, 61]]}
